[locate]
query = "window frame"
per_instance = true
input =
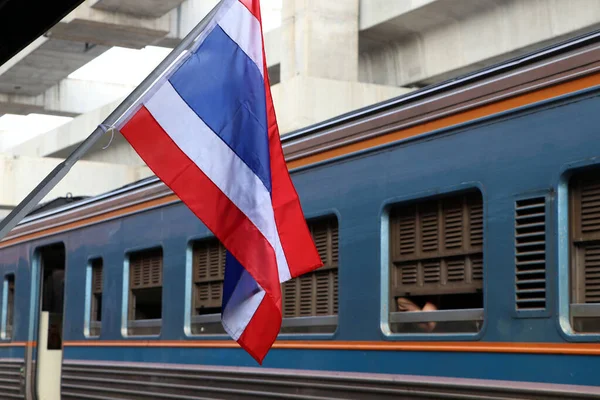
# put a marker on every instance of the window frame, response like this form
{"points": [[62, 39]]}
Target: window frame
{"points": [[126, 322], [190, 293], [564, 249], [291, 322], [386, 317], [89, 297], [5, 305]]}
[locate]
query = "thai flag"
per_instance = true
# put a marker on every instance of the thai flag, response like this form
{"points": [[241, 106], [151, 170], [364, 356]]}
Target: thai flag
{"points": [[207, 129]]}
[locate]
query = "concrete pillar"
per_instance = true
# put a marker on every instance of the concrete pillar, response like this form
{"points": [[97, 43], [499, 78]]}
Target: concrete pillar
{"points": [[320, 39], [318, 53]]}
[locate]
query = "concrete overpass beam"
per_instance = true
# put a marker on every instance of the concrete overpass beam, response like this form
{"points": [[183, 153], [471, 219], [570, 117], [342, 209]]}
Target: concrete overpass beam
{"points": [[141, 8], [89, 25], [432, 40], [42, 67], [70, 97]]}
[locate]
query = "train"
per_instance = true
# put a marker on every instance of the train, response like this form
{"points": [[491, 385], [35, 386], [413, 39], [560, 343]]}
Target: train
{"points": [[459, 229]]}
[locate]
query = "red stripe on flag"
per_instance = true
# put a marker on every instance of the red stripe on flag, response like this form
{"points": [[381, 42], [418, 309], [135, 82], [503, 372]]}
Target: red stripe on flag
{"points": [[298, 245], [205, 199], [262, 330], [254, 7], [297, 242]]}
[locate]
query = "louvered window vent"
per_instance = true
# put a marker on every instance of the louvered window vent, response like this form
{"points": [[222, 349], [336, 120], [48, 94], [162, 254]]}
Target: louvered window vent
{"points": [[530, 252]]}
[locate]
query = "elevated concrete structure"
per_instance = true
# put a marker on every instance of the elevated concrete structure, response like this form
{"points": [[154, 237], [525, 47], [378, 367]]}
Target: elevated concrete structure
{"points": [[70, 97], [14, 170], [88, 25], [418, 42], [141, 8], [319, 63], [326, 58]]}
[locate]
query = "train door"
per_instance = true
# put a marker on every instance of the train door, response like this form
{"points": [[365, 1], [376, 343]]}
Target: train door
{"points": [[47, 323]]}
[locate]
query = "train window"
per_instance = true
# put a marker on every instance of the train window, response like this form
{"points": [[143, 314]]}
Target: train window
{"points": [[436, 265], [8, 308], [585, 252], [310, 302], [208, 275], [95, 295], [145, 292]]}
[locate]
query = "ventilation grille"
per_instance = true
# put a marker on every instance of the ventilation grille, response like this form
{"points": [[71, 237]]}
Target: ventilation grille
{"points": [[437, 246], [316, 293], [146, 269], [209, 272], [97, 276], [530, 251]]}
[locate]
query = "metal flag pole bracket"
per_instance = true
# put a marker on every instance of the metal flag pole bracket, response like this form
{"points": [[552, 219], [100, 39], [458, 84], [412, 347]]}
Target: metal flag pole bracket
{"points": [[106, 128], [59, 172]]}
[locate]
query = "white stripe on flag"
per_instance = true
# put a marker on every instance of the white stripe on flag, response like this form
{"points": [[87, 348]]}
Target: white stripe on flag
{"points": [[220, 164], [242, 305], [243, 28]]}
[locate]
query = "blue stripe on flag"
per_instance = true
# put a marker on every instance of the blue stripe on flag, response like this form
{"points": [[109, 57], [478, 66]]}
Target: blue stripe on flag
{"points": [[226, 90], [233, 273]]}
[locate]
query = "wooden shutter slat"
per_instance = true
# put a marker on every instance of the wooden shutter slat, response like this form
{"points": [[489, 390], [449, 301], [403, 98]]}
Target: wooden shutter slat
{"points": [[432, 271], [453, 225], [429, 228], [449, 236], [323, 304], [406, 227], [97, 276], [209, 272], [146, 269], [456, 270], [476, 221], [289, 299], [590, 206], [306, 295], [592, 274], [316, 293]]}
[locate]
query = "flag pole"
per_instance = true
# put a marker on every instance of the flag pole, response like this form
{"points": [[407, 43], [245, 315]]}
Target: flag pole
{"points": [[56, 175]]}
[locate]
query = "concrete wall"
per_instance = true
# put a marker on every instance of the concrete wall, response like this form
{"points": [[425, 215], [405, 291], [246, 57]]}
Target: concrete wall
{"points": [[19, 175], [440, 39], [304, 100]]}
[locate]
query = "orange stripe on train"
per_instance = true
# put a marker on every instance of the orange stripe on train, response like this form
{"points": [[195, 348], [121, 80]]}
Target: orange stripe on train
{"points": [[478, 347]]}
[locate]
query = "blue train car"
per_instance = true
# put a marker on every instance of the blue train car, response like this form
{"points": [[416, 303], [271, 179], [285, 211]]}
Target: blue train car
{"points": [[459, 227]]}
